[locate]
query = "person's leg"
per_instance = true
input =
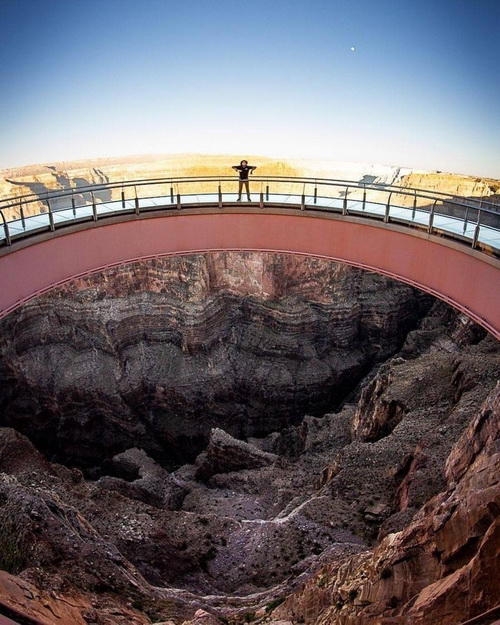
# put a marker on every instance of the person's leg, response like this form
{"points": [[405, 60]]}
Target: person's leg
{"points": [[240, 186], [247, 187]]}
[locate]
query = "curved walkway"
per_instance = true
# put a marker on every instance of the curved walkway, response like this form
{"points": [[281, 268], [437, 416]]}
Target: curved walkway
{"points": [[469, 220], [458, 274]]}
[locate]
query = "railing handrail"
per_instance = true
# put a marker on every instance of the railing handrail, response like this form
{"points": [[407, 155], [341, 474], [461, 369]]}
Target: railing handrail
{"points": [[352, 184], [478, 224]]}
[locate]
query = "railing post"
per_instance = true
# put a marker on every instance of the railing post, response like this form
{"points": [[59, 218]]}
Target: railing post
{"points": [[364, 197], [267, 192], [73, 203], [414, 210], [431, 217], [388, 209], [94, 207], [478, 213], [136, 201], [466, 219], [477, 229], [6, 230], [261, 199], [171, 194], [178, 200], [123, 197], [219, 191], [315, 192], [21, 210], [51, 216], [344, 204]]}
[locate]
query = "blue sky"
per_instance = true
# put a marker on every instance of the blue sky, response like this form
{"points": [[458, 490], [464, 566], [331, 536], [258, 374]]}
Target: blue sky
{"points": [[98, 78]]}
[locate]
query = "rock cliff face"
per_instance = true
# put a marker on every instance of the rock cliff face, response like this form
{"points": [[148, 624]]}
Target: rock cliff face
{"points": [[262, 438], [155, 354], [444, 568], [462, 186]]}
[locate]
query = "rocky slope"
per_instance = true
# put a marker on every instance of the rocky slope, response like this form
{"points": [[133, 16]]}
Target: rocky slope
{"points": [[259, 438], [443, 568]]}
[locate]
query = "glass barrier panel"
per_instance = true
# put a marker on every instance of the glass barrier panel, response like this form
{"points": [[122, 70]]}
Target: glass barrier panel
{"points": [[284, 190], [31, 206], [229, 189], [332, 193]]}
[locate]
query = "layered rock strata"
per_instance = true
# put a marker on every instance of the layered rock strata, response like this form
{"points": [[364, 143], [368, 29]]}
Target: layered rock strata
{"points": [[156, 354]]}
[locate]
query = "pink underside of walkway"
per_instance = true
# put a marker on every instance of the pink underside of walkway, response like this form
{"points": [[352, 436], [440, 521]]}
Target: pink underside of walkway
{"points": [[464, 280]]}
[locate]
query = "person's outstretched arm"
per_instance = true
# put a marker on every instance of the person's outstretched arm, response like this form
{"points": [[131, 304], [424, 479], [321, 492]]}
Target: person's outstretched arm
{"points": [[252, 168]]}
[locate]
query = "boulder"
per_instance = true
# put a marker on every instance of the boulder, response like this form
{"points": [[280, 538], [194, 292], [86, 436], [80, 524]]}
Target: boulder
{"points": [[225, 454]]}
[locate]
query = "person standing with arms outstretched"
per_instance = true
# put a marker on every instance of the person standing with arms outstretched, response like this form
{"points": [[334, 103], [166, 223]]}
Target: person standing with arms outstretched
{"points": [[244, 169]]}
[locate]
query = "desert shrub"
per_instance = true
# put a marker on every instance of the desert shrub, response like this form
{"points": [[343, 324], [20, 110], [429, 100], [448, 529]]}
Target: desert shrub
{"points": [[274, 604], [13, 548], [317, 549], [322, 581], [206, 557]]}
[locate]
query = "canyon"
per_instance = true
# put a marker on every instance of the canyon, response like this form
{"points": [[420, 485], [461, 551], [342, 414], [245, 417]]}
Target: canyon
{"points": [[243, 437], [253, 436], [160, 351]]}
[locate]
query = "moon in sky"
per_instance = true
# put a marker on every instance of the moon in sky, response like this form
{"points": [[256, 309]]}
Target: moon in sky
{"points": [[353, 48]]}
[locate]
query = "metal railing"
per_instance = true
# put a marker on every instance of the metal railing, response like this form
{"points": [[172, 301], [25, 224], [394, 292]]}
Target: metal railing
{"points": [[474, 222]]}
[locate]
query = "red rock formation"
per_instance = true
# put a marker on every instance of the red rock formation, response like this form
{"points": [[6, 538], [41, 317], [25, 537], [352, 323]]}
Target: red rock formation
{"points": [[377, 413], [24, 602], [444, 568]]}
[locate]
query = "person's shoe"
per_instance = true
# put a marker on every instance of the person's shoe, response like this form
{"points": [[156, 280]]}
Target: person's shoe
{"points": [[249, 198], [239, 199]]}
